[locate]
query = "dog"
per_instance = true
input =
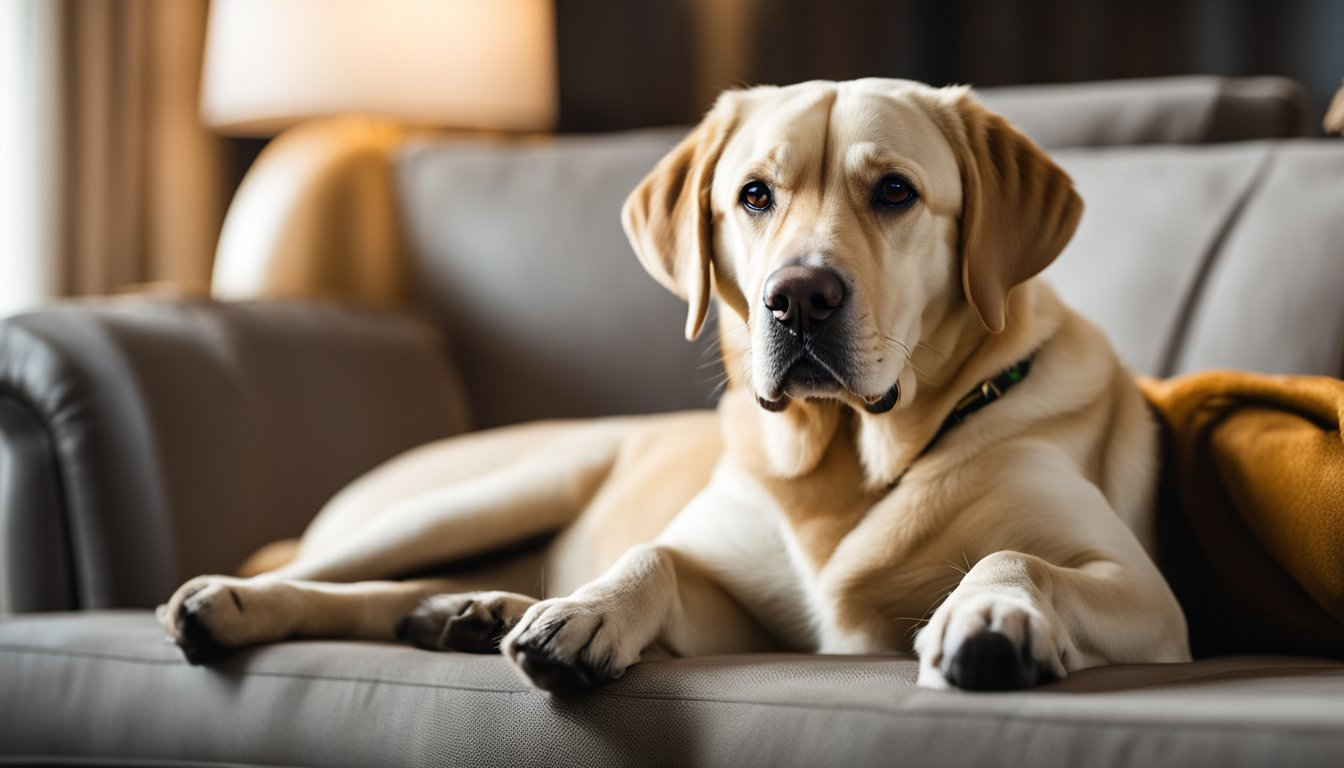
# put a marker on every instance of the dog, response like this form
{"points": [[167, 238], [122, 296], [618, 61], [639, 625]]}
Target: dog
{"points": [[920, 448]]}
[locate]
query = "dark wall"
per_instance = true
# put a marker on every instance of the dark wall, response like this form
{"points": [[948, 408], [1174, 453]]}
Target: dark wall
{"points": [[633, 63], [628, 63], [624, 63]]}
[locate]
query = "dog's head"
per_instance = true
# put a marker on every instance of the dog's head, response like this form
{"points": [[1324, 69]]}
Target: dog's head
{"points": [[841, 222]]}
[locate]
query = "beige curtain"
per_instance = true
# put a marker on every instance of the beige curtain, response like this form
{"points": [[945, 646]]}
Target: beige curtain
{"points": [[140, 193]]}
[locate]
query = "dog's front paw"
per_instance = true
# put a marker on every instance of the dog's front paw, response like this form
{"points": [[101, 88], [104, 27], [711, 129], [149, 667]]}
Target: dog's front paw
{"points": [[569, 645], [472, 622], [993, 640], [211, 615]]}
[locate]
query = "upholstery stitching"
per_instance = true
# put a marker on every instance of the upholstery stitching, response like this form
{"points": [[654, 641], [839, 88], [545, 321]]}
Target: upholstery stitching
{"points": [[1287, 728], [1208, 260], [246, 673]]}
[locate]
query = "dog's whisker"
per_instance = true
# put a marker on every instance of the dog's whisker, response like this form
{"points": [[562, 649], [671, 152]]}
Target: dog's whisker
{"points": [[719, 384], [917, 623], [898, 343], [910, 361], [711, 349], [941, 597], [900, 347]]}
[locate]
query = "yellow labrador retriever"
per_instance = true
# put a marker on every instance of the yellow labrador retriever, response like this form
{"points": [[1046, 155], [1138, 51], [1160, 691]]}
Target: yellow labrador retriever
{"points": [[920, 449]]}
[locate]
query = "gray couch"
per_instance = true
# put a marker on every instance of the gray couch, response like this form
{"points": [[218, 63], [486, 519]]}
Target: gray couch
{"points": [[143, 441]]}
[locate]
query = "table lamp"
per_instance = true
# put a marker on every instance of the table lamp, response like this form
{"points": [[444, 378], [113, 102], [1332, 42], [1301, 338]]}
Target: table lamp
{"points": [[342, 82]]}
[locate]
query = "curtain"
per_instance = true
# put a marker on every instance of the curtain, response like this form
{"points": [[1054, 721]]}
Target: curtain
{"points": [[139, 192], [27, 153]]}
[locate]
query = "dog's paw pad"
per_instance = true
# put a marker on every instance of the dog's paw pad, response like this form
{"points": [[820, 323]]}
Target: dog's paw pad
{"points": [[990, 661], [991, 642], [556, 675], [470, 623], [565, 646], [194, 638], [209, 616]]}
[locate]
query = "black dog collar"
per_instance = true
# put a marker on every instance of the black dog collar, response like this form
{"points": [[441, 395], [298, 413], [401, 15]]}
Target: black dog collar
{"points": [[985, 393]]}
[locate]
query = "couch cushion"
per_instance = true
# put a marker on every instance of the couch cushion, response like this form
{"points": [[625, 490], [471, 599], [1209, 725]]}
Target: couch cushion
{"points": [[106, 685], [1152, 221], [1225, 256], [521, 257], [1274, 297]]}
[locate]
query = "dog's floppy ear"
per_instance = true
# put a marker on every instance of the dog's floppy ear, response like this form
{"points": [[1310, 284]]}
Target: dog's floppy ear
{"points": [[1019, 209], [668, 219]]}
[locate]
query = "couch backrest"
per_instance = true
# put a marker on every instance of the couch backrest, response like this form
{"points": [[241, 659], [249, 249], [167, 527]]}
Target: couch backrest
{"points": [[1196, 109], [1190, 256], [1226, 256], [519, 254]]}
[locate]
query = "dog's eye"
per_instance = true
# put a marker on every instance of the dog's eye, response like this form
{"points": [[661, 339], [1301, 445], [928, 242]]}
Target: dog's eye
{"points": [[756, 196], [894, 192]]}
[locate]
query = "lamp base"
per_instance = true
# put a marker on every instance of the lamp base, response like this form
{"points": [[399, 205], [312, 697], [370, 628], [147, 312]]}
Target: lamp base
{"points": [[316, 217]]}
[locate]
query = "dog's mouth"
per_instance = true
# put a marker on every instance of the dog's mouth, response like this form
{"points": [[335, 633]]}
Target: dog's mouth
{"points": [[810, 377]]}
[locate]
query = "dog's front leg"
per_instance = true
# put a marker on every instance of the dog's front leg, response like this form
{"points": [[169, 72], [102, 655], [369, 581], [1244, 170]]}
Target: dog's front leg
{"points": [[1017, 620], [653, 595], [1062, 584]]}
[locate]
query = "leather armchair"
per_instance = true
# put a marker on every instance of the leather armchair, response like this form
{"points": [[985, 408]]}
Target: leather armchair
{"points": [[144, 441]]}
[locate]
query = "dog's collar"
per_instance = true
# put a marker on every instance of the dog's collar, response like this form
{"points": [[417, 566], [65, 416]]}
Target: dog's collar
{"points": [[984, 393]]}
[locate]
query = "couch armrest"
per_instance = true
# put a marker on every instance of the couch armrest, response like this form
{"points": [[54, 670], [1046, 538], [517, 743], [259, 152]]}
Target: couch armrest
{"points": [[144, 441]]}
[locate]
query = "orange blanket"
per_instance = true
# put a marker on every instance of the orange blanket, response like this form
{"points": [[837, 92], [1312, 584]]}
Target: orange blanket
{"points": [[1251, 512]]}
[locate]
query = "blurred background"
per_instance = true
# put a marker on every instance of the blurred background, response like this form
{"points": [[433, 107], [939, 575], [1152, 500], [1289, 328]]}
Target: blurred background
{"points": [[112, 182]]}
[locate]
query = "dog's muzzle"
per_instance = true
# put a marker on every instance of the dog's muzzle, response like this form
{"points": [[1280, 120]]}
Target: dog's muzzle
{"points": [[806, 340]]}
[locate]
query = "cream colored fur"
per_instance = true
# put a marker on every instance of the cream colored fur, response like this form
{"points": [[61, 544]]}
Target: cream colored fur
{"points": [[748, 529]]}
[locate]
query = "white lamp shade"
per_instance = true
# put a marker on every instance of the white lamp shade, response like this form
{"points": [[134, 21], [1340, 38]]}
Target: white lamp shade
{"points": [[486, 64]]}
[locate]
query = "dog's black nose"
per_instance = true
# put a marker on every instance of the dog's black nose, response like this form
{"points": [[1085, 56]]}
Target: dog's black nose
{"points": [[803, 297]]}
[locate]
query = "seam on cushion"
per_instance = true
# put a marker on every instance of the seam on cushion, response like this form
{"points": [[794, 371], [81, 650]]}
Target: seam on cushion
{"points": [[1208, 260], [250, 672], [873, 710], [1324, 729], [1203, 676], [43, 650]]}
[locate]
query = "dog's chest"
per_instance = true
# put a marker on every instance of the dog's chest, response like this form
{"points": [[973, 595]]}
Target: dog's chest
{"points": [[741, 536], [884, 579], [859, 578], [794, 572]]}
